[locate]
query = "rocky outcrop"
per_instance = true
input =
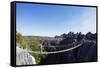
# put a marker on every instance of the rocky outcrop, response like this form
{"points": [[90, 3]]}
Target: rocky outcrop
{"points": [[85, 53], [23, 57]]}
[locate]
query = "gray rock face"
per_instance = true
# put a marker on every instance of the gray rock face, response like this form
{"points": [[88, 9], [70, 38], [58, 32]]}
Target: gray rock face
{"points": [[23, 57]]}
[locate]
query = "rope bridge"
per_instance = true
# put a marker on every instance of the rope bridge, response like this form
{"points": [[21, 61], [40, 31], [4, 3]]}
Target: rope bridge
{"points": [[65, 50]]}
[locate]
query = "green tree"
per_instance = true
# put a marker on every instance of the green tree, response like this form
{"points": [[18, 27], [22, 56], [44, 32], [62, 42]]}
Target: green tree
{"points": [[20, 40], [34, 45]]}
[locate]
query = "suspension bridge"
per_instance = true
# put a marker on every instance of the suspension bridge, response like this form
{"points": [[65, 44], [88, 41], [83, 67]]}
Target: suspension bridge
{"points": [[60, 51]]}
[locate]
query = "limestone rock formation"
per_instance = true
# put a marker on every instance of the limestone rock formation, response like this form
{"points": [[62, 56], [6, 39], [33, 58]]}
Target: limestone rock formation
{"points": [[23, 57]]}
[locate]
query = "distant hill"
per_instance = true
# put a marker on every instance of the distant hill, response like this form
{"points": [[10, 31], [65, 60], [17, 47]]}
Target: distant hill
{"points": [[40, 38]]}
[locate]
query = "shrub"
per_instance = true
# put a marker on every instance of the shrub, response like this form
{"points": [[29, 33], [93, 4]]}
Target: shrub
{"points": [[20, 40], [34, 46]]}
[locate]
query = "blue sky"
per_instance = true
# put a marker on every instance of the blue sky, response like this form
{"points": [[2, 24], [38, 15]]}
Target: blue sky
{"points": [[51, 20]]}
